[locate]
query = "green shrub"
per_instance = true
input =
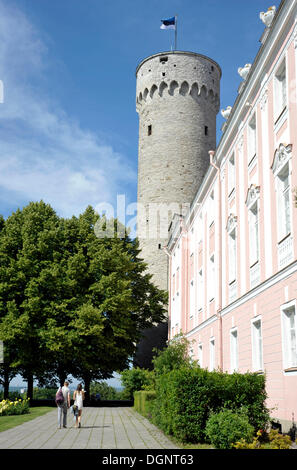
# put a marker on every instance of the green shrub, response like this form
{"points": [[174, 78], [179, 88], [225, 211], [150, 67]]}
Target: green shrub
{"points": [[44, 393], [225, 428], [185, 398], [248, 391], [143, 402], [172, 357], [135, 379], [13, 395]]}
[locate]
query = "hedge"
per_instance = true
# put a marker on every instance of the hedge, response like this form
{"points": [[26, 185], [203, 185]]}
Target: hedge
{"points": [[143, 400], [186, 397]]}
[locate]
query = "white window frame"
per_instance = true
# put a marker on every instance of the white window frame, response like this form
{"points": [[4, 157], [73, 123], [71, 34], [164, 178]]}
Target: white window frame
{"points": [[280, 90], [289, 336], [282, 170], [192, 299], [200, 354], [211, 278], [200, 290], [252, 139], [232, 255], [233, 350], [254, 236], [283, 199], [257, 344], [177, 276], [211, 208], [212, 354], [231, 174]]}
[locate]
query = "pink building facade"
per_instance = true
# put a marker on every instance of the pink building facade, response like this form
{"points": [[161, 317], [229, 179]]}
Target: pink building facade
{"points": [[233, 257]]}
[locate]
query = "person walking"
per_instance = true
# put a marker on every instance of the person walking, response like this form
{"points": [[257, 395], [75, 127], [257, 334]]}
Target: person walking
{"points": [[63, 405], [78, 397]]}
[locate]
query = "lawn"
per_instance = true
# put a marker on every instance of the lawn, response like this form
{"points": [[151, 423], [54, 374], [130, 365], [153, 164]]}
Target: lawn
{"points": [[8, 422]]}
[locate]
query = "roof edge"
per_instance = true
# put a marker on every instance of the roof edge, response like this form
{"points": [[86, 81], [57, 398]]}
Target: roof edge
{"points": [[178, 53]]}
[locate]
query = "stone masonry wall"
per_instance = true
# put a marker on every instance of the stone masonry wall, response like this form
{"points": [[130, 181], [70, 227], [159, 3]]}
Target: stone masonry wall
{"points": [[177, 100]]}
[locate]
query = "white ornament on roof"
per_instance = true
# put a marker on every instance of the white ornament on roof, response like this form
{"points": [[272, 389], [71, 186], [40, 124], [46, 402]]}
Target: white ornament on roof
{"points": [[226, 112], [267, 17], [244, 71]]}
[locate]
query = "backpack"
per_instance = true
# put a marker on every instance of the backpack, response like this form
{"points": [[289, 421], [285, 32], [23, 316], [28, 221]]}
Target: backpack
{"points": [[59, 397]]}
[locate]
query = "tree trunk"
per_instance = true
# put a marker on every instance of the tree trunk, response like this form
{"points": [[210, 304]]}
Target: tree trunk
{"points": [[30, 381], [87, 383], [62, 379], [62, 375]]}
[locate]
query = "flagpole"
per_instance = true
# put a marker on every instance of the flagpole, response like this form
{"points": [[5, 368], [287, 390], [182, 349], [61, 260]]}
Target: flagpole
{"points": [[175, 46]]}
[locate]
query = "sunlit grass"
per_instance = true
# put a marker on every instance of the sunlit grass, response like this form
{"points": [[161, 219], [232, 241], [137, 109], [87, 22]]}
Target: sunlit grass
{"points": [[8, 422]]}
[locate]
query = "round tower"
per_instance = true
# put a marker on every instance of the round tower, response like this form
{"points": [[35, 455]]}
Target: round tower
{"points": [[177, 100]]}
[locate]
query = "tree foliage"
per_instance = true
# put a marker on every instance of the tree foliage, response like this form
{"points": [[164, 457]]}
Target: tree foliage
{"points": [[70, 302]]}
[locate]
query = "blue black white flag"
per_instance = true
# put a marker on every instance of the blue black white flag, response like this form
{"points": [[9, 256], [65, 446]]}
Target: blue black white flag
{"points": [[168, 24]]}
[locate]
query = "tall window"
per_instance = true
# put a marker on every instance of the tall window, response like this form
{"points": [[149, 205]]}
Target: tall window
{"points": [[254, 233], [200, 355], [252, 139], [283, 202], [192, 299], [177, 281], [212, 354], [200, 290], [233, 351], [211, 279], [232, 256], [231, 174], [211, 208], [289, 336], [280, 90], [257, 345]]}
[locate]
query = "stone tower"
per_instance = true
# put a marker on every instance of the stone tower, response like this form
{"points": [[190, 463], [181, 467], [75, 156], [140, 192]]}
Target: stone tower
{"points": [[177, 100]]}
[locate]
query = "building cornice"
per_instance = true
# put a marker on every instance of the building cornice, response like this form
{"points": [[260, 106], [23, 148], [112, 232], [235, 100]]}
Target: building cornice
{"points": [[239, 108], [276, 278]]}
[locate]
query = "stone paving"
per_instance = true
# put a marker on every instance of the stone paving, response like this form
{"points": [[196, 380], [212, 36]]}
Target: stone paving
{"points": [[102, 428]]}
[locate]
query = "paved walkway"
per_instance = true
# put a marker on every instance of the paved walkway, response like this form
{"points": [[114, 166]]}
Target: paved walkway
{"points": [[102, 428]]}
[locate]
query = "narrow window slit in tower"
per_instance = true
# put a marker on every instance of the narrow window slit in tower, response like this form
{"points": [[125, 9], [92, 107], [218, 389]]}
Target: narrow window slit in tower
{"points": [[163, 74], [163, 60], [159, 246], [149, 130], [205, 130]]}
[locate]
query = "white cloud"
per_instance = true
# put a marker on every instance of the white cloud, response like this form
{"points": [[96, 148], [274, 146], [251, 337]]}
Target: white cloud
{"points": [[44, 154]]}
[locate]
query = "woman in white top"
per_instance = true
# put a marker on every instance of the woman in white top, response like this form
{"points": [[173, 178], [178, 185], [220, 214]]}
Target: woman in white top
{"points": [[78, 397]]}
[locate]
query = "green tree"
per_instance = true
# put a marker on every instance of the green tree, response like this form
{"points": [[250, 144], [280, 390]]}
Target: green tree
{"points": [[136, 379], [106, 391], [27, 244], [70, 302], [115, 299]]}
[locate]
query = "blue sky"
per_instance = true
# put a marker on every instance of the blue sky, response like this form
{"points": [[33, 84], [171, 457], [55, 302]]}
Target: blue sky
{"points": [[68, 125]]}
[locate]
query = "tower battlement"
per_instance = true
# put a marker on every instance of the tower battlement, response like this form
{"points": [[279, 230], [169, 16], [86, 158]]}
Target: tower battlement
{"points": [[173, 88], [177, 73]]}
